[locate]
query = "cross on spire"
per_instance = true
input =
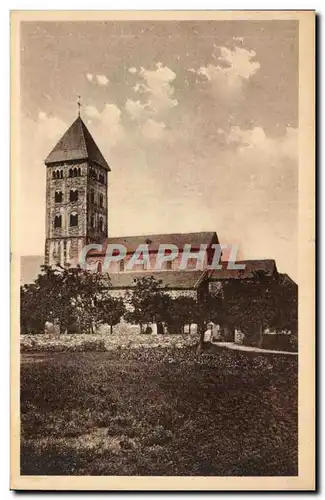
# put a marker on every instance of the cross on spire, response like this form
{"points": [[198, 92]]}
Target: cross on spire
{"points": [[79, 104]]}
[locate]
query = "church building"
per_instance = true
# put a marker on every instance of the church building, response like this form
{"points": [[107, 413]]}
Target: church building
{"points": [[76, 215]]}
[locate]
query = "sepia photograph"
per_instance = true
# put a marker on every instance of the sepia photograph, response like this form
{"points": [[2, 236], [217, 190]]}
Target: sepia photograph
{"points": [[162, 212]]}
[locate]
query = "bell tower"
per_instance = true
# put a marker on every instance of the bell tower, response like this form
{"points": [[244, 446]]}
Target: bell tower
{"points": [[76, 195]]}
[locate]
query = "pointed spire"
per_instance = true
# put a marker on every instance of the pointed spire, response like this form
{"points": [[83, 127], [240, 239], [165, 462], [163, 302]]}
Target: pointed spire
{"points": [[76, 144]]}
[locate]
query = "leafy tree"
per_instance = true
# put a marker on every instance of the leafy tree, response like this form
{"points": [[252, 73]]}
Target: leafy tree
{"points": [[259, 303], [148, 303], [182, 311], [63, 295], [32, 318], [112, 309]]}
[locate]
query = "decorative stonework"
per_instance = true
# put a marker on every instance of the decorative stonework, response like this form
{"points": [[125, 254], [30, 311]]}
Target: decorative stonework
{"points": [[64, 243]]}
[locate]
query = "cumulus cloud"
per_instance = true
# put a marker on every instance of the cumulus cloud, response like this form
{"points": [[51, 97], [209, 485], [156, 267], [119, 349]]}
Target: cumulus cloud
{"points": [[152, 129], [235, 67], [107, 123], [92, 112], [102, 79], [132, 70], [48, 127], [157, 86], [135, 109], [256, 140]]}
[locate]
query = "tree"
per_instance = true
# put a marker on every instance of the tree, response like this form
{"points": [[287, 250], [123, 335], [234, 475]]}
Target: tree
{"points": [[148, 303], [182, 311], [260, 303], [62, 295], [112, 309], [32, 317]]}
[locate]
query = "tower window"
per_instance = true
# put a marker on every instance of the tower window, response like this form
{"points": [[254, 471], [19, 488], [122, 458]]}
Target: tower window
{"points": [[75, 172], [101, 200], [101, 178], [92, 196], [73, 219], [57, 174], [101, 224], [58, 196], [70, 172], [58, 221], [122, 265], [79, 171], [73, 195]]}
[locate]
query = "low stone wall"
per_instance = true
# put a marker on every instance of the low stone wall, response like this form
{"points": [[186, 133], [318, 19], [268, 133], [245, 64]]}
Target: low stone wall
{"points": [[102, 342]]}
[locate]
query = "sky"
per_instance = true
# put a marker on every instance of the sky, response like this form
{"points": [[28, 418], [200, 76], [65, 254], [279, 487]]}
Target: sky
{"points": [[197, 120]]}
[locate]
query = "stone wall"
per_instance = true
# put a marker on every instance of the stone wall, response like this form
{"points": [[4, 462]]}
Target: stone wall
{"points": [[64, 244]]}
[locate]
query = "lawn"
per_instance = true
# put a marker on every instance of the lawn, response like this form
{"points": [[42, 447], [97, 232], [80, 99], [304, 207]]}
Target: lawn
{"points": [[159, 411]]}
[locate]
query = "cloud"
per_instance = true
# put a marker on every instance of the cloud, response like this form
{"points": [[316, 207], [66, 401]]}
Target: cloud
{"points": [[48, 128], [135, 109], [157, 86], [102, 79], [132, 70], [92, 112], [152, 129], [235, 67], [256, 140], [108, 125]]}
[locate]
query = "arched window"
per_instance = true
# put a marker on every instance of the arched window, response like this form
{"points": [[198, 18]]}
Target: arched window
{"points": [[73, 219], [101, 200], [70, 172], [101, 178], [92, 221], [122, 265], [92, 196], [75, 172], [54, 174], [61, 174], [79, 171], [58, 196], [58, 221], [99, 267], [101, 224], [73, 195]]}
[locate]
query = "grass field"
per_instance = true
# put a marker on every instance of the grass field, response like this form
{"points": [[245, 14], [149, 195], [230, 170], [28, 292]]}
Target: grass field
{"points": [[158, 412]]}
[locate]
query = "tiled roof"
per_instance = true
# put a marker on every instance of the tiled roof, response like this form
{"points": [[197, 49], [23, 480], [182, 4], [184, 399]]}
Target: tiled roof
{"points": [[76, 144], [154, 240], [268, 266], [173, 280]]}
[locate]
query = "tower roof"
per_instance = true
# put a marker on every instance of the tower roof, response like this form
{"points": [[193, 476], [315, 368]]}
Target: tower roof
{"points": [[76, 144]]}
